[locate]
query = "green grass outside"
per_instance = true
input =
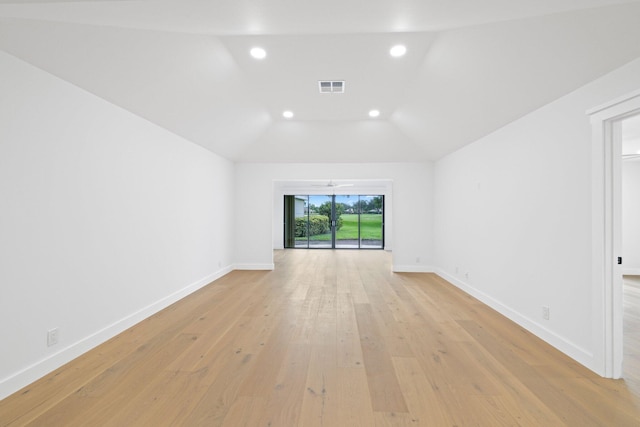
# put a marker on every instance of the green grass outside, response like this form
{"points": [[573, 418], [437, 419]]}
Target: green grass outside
{"points": [[370, 228]]}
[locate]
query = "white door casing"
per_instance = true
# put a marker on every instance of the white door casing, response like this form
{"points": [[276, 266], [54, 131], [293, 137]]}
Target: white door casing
{"points": [[606, 233]]}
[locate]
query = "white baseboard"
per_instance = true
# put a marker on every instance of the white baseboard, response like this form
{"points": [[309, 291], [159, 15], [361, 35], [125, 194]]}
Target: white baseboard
{"points": [[577, 353], [412, 269], [254, 266], [631, 271], [42, 367]]}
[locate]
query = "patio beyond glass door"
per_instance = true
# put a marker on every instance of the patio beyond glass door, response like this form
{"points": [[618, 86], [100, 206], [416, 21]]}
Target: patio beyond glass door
{"points": [[338, 221], [320, 231], [371, 221], [347, 227]]}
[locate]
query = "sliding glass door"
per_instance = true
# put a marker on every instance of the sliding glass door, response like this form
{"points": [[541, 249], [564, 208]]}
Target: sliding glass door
{"points": [[338, 221]]}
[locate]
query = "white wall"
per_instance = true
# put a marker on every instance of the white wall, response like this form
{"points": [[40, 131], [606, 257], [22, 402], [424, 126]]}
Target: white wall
{"points": [[631, 217], [105, 218], [512, 216], [409, 198]]}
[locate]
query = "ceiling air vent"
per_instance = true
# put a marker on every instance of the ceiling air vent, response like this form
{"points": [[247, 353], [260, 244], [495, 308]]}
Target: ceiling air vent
{"points": [[331, 86]]}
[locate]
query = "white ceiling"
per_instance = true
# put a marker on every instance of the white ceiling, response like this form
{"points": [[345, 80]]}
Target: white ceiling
{"points": [[471, 67]]}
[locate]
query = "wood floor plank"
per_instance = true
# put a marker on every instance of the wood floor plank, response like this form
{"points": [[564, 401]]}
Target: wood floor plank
{"points": [[245, 412], [393, 419], [320, 392], [386, 395], [357, 290], [353, 403], [392, 332], [320, 401], [284, 400], [348, 336], [494, 411], [423, 403]]}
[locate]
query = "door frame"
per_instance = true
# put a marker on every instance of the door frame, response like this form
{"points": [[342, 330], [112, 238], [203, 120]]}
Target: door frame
{"points": [[606, 273]]}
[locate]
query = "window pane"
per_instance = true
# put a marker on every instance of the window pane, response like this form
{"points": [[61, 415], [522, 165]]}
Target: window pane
{"points": [[319, 221], [301, 221], [371, 221], [347, 226]]}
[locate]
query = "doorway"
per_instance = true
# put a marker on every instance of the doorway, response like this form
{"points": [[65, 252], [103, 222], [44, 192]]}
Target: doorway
{"points": [[607, 298], [351, 221], [631, 248]]}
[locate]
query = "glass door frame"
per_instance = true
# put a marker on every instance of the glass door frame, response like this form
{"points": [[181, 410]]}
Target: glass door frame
{"points": [[289, 238]]}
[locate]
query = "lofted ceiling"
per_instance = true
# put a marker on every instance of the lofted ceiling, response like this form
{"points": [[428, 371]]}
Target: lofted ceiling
{"points": [[471, 67]]}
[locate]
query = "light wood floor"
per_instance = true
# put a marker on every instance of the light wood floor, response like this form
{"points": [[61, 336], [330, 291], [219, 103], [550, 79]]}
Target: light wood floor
{"points": [[329, 338], [631, 361]]}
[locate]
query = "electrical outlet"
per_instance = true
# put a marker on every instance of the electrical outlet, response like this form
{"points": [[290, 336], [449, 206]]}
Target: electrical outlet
{"points": [[417, 260], [457, 269], [545, 312], [52, 337]]}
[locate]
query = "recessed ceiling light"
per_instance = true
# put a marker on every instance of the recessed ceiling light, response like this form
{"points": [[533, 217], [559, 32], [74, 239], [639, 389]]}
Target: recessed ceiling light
{"points": [[287, 114], [258, 53], [398, 50], [374, 113]]}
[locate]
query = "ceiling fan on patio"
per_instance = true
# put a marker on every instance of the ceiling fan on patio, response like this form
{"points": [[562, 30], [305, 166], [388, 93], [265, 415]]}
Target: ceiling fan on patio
{"points": [[332, 184]]}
